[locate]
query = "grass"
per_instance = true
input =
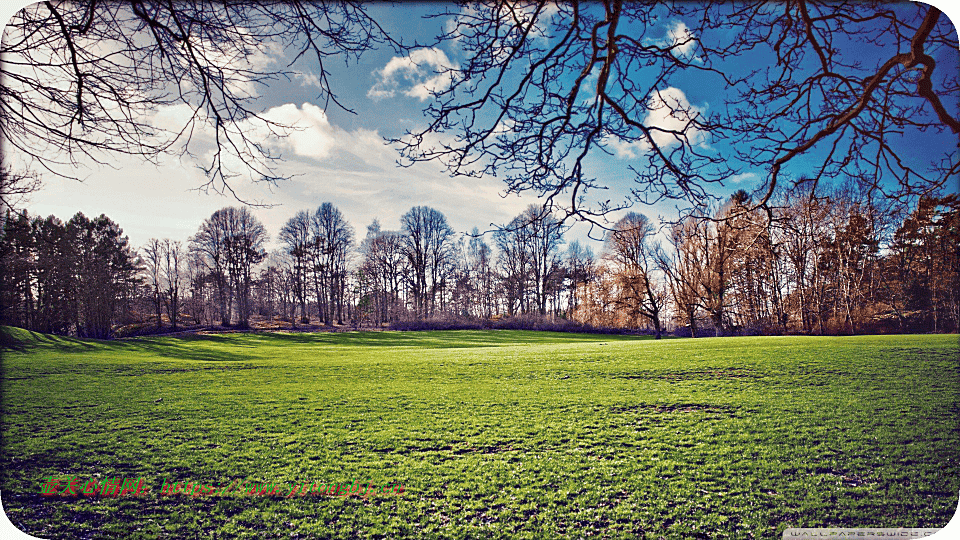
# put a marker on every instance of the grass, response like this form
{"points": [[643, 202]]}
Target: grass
{"points": [[492, 433]]}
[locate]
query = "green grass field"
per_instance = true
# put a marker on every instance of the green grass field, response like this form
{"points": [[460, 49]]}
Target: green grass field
{"points": [[492, 434]]}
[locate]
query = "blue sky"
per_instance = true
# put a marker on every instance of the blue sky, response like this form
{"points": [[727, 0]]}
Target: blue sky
{"points": [[341, 157]]}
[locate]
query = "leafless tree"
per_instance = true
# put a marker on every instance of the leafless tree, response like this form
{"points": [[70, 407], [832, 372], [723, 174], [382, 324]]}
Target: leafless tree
{"points": [[174, 272], [244, 243], [295, 236], [385, 262], [579, 264], [513, 265], [630, 248], [81, 80], [331, 242], [481, 264], [546, 237], [802, 224], [231, 242], [197, 277], [683, 265], [427, 239], [153, 263], [15, 188], [209, 245], [544, 87]]}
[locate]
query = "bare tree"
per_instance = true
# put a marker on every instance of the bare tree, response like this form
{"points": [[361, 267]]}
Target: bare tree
{"points": [[544, 86], [513, 265], [153, 259], [546, 237], [802, 225], [15, 188], [174, 272], [295, 236], [684, 270], [197, 277], [385, 261], [481, 262], [82, 79], [231, 242], [427, 240], [331, 241], [631, 250], [244, 241], [579, 272], [210, 245]]}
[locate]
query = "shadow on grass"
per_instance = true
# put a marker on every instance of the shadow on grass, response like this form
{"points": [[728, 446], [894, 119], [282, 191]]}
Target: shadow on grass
{"points": [[185, 350], [231, 347], [20, 340]]}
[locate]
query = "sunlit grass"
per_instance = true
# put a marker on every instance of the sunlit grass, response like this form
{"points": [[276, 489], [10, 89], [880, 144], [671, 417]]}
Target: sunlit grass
{"points": [[497, 433]]}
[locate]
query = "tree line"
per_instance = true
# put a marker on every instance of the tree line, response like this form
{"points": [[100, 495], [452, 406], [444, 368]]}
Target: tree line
{"points": [[827, 264]]}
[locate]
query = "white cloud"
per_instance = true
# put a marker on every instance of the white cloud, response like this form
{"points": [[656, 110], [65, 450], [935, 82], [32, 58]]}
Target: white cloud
{"points": [[172, 117], [669, 109], [679, 35], [743, 177], [624, 149], [239, 61], [312, 135], [671, 116], [681, 39], [423, 72], [308, 79]]}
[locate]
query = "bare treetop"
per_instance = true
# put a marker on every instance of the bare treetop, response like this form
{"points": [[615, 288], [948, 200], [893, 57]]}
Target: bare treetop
{"points": [[81, 80], [547, 89], [538, 94]]}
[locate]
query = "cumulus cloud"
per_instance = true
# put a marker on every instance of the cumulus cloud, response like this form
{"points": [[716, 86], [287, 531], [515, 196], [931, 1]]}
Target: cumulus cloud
{"points": [[312, 135], [679, 35], [419, 75], [670, 115]]}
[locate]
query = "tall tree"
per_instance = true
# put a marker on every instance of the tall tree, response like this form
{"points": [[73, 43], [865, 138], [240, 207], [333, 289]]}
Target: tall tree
{"points": [[385, 261], [103, 268], [244, 243], [427, 240], [802, 223], [579, 271], [629, 247], [295, 236], [923, 279], [232, 243], [331, 242], [18, 258], [210, 244], [153, 263], [55, 261], [546, 237], [513, 264], [174, 272], [480, 260], [197, 278]]}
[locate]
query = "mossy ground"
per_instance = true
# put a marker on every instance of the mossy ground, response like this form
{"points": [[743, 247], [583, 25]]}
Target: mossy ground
{"points": [[492, 433]]}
